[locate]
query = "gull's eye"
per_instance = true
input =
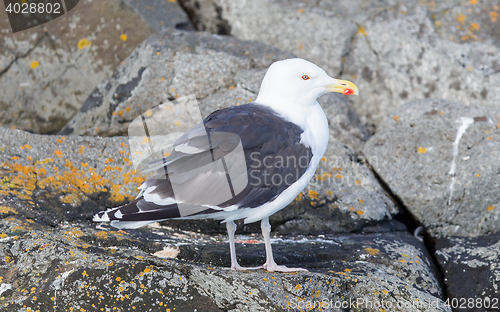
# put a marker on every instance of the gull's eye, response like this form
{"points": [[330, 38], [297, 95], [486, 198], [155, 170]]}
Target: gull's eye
{"points": [[306, 77]]}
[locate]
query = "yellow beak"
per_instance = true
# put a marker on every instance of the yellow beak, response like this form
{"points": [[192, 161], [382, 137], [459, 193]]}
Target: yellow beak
{"points": [[343, 86]]}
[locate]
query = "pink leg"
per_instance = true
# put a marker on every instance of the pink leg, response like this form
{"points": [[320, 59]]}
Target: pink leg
{"points": [[231, 228], [270, 265]]}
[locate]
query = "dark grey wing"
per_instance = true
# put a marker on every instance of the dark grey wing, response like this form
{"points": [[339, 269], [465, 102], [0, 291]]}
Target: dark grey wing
{"points": [[271, 159]]}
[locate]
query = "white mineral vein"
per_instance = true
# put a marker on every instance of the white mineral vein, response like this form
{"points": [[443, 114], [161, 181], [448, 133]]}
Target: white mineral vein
{"points": [[465, 122]]}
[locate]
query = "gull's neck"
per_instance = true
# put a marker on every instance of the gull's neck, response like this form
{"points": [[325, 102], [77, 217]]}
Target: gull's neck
{"points": [[293, 112], [310, 118]]}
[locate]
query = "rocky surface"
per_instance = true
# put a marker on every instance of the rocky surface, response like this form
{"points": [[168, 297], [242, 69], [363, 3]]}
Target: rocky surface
{"points": [[470, 269], [64, 178], [395, 51], [442, 160], [161, 14], [168, 66], [434, 159], [76, 266], [48, 71], [53, 256]]}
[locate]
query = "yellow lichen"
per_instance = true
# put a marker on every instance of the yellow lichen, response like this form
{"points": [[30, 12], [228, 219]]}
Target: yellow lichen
{"points": [[461, 18], [6, 210], [101, 234], [422, 150], [73, 184], [313, 194], [372, 251], [83, 43]]}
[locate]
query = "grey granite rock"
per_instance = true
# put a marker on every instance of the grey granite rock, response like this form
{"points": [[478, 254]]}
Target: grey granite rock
{"points": [[55, 178], [394, 50], [167, 66], [160, 14], [471, 272], [48, 71], [344, 196], [442, 160], [400, 56], [76, 266]]}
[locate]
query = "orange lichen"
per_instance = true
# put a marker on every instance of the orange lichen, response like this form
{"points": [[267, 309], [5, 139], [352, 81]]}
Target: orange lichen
{"points": [[361, 30], [372, 251], [422, 150], [299, 197], [313, 194], [493, 16], [490, 208], [6, 210], [461, 18], [71, 185], [74, 232], [83, 43]]}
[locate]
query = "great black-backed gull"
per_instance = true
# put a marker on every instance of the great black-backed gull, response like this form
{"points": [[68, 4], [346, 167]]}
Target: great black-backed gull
{"points": [[283, 135]]}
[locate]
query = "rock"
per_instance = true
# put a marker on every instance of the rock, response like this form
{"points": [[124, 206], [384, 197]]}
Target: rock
{"points": [[161, 14], [301, 28], [413, 152], [48, 71], [206, 16], [52, 179], [395, 51], [475, 21], [344, 196], [474, 260], [400, 56], [79, 267], [167, 66]]}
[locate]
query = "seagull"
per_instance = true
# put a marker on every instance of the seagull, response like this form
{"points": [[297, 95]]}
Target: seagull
{"points": [[243, 162]]}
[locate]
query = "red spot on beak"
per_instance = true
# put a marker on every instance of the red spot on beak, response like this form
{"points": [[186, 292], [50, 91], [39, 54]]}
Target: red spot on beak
{"points": [[348, 91]]}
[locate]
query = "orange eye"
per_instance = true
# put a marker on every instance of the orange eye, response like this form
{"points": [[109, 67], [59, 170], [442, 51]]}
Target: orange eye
{"points": [[305, 77]]}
